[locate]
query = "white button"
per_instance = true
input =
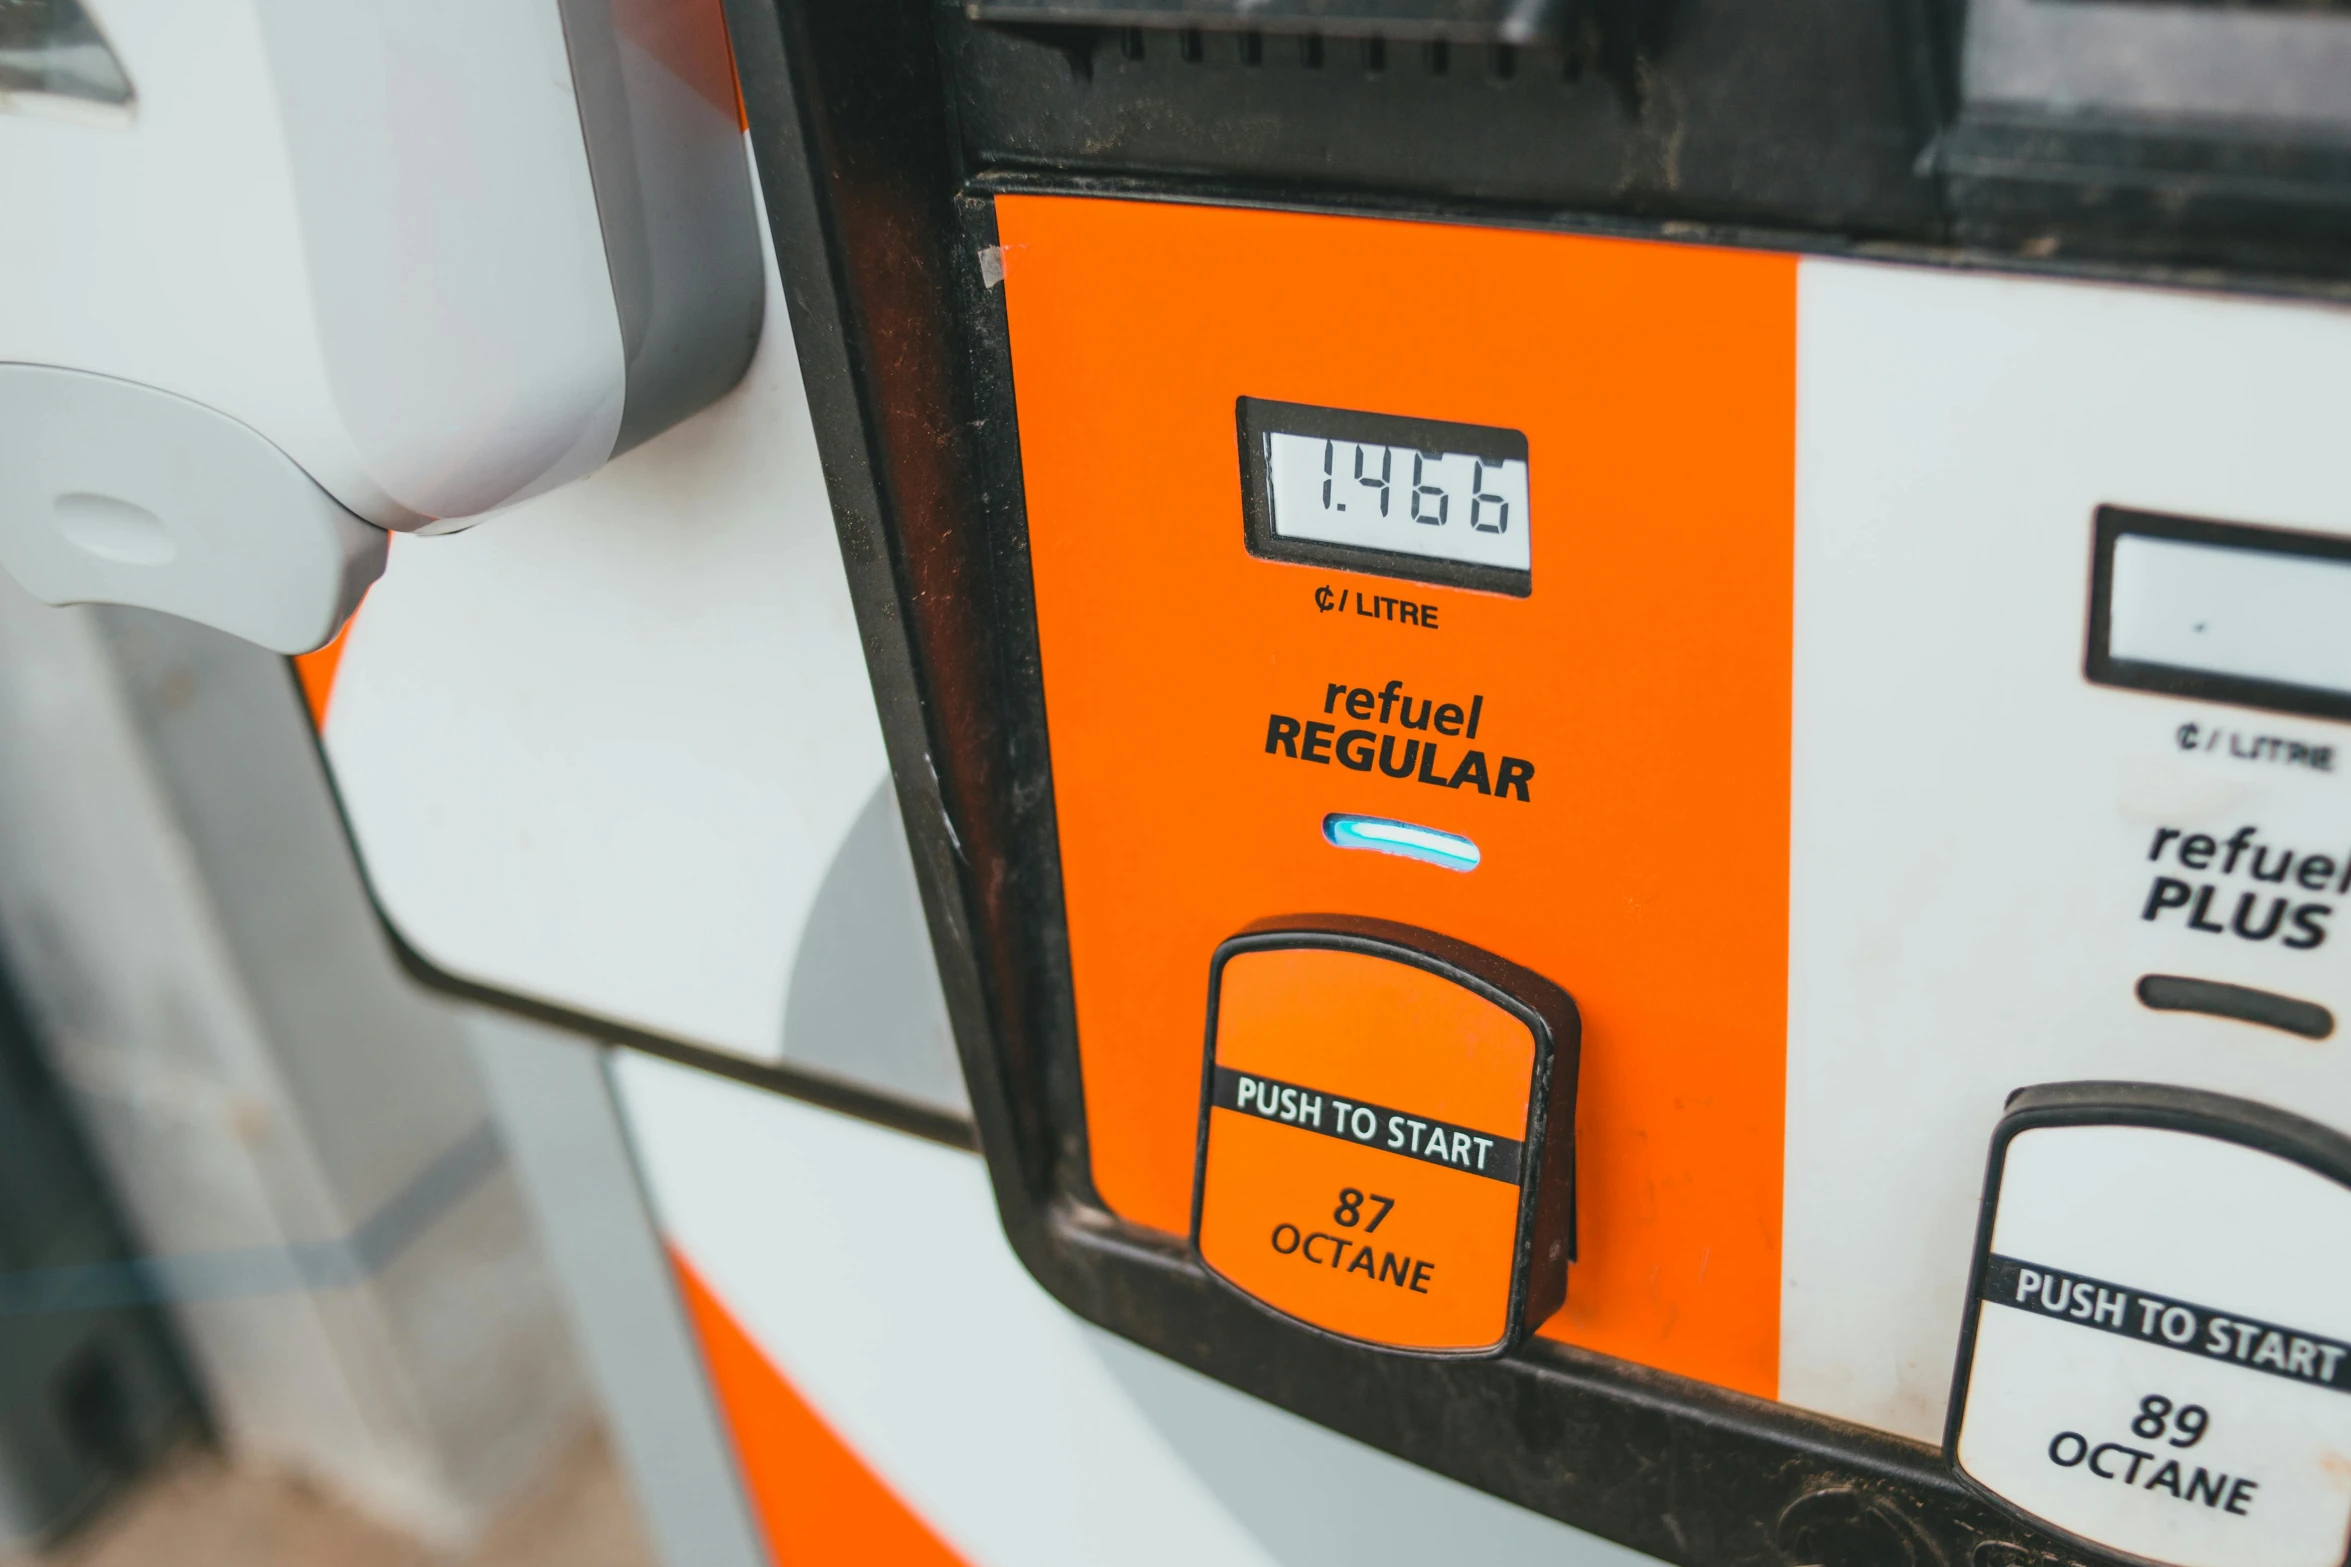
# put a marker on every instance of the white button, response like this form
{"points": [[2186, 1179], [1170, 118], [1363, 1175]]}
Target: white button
{"points": [[116, 493], [2162, 1353]]}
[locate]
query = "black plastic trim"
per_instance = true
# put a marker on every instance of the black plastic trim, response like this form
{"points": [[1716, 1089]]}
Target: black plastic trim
{"points": [[814, 1088], [826, 1093], [2242, 1003], [1843, 119], [1460, 21], [1745, 232]]}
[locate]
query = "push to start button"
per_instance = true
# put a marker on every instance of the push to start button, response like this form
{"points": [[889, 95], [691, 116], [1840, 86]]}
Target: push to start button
{"points": [[2157, 1357], [1386, 1135]]}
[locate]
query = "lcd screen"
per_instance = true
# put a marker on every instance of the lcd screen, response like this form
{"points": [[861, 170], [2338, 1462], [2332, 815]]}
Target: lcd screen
{"points": [[2255, 616], [1417, 498]]}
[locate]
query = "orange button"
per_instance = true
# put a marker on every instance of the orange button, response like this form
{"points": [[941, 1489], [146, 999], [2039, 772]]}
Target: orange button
{"points": [[1386, 1141]]}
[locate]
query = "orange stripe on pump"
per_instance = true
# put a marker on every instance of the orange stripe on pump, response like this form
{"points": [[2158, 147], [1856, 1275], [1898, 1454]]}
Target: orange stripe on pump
{"points": [[316, 670], [818, 1503], [1646, 679]]}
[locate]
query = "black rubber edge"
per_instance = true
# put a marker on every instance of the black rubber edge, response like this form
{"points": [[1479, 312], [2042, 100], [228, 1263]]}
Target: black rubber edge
{"points": [[814, 1088], [1225, 191], [2180, 993]]}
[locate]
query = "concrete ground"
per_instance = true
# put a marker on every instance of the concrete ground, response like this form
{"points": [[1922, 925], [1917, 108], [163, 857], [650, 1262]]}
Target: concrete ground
{"points": [[197, 1511]]}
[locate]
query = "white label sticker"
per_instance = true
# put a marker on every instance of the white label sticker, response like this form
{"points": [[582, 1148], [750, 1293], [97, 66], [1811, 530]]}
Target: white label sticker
{"points": [[2162, 1356]]}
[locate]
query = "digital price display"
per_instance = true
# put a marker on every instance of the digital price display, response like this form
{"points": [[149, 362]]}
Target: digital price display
{"points": [[1415, 498]]}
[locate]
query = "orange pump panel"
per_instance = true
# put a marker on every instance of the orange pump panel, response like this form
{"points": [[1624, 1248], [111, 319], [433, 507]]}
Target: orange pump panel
{"points": [[1646, 678]]}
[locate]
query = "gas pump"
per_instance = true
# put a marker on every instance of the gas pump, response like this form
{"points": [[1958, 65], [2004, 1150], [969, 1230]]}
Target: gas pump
{"points": [[1807, 531], [1620, 733]]}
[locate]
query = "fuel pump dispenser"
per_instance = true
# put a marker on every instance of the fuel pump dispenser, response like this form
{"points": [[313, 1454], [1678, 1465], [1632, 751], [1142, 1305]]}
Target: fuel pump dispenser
{"points": [[1625, 725], [1621, 728]]}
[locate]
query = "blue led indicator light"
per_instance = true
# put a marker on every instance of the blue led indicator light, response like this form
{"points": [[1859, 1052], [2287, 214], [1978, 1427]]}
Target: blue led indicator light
{"points": [[1382, 836]]}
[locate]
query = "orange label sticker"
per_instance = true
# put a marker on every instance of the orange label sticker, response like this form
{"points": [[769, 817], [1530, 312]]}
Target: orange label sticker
{"points": [[1642, 688], [1384, 1148]]}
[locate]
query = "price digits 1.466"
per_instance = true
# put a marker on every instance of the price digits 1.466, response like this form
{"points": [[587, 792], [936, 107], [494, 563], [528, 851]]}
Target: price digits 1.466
{"points": [[1428, 503]]}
